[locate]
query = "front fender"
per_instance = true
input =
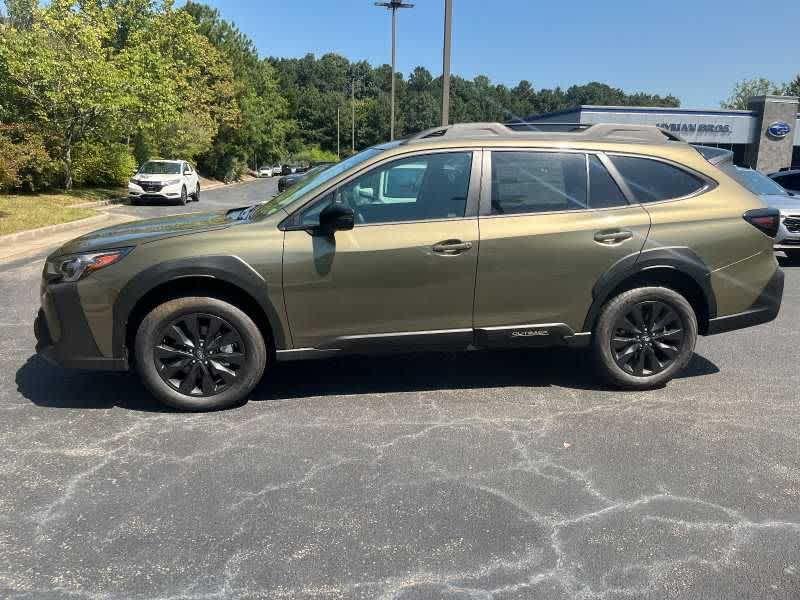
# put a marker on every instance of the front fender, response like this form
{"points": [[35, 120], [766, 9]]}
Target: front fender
{"points": [[231, 270]]}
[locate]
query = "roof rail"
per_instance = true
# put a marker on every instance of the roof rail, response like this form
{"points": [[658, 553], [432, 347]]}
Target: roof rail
{"points": [[595, 132]]}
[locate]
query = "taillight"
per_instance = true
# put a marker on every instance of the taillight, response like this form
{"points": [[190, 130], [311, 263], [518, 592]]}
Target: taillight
{"points": [[767, 220]]}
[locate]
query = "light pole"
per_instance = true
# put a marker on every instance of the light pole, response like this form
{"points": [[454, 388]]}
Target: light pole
{"points": [[353, 116], [393, 5], [448, 31]]}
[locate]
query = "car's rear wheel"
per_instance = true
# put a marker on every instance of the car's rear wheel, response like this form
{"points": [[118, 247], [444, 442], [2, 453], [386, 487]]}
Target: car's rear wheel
{"points": [[199, 353], [645, 337]]}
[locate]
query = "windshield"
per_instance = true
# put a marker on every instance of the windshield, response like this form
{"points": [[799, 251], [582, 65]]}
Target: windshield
{"points": [[756, 182], [317, 179], [157, 167]]}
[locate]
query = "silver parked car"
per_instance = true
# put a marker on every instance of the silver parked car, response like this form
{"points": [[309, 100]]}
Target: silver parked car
{"points": [[774, 196]]}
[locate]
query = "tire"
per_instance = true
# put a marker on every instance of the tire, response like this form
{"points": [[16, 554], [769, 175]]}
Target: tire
{"points": [[197, 194], [184, 196], [651, 358], [217, 376]]}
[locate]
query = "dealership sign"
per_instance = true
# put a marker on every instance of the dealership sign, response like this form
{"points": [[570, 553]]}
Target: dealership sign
{"points": [[719, 128], [779, 130]]}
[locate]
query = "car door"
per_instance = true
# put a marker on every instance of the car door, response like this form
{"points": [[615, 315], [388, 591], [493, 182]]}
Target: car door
{"points": [[552, 222], [405, 274]]}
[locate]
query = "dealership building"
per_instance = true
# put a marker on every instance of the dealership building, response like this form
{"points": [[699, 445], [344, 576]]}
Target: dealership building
{"points": [[765, 137]]}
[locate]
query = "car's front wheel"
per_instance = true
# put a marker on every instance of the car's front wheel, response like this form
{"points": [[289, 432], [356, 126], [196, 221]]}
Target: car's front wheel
{"points": [[645, 337], [199, 353], [184, 196]]}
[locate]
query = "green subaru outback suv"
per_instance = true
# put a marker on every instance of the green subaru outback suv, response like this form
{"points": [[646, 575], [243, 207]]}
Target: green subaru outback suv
{"points": [[475, 236]]}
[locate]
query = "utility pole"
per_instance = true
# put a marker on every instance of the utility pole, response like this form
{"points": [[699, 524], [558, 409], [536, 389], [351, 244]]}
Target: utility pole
{"points": [[338, 133], [448, 31], [393, 5], [353, 108]]}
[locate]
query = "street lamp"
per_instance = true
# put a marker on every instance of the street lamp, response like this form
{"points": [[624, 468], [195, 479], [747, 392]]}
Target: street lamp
{"points": [[393, 5]]}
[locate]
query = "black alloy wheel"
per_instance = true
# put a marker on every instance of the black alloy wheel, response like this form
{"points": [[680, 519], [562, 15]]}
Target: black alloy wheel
{"points": [[184, 195], [199, 355], [647, 338]]}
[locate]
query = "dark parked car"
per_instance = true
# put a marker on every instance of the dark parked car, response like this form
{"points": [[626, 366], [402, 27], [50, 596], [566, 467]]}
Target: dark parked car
{"points": [[288, 181], [788, 180]]}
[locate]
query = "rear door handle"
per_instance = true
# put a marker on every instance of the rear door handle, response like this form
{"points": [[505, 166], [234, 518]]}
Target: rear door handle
{"points": [[450, 247], [612, 237]]}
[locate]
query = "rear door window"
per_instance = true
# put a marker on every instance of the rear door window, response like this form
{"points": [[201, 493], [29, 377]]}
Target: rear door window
{"points": [[653, 180], [535, 182]]}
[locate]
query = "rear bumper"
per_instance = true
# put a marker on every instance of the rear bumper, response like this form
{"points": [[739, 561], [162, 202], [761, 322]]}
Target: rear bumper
{"points": [[764, 309], [63, 336]]}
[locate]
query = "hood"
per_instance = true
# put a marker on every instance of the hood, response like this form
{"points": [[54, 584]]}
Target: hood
{"points": [[781, 202], [139, 232], [156, 176]]}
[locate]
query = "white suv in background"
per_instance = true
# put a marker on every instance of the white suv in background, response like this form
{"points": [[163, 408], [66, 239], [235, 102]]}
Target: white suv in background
{"points": [[164, 180]]}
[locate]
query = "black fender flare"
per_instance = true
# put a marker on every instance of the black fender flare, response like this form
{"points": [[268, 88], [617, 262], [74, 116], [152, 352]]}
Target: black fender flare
{"points": [[229, 269], [679, 258]]}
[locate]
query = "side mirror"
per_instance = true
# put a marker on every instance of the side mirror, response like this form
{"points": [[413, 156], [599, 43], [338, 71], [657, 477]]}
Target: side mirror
{"points": [[187, 172], [335, 217]]}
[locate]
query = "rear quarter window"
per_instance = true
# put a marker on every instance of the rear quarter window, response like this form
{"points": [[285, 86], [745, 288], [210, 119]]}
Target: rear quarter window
{"points": [[653, 181]]}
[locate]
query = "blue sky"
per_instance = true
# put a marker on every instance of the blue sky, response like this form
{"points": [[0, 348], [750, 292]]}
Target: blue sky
{"points": [[695, 50]]}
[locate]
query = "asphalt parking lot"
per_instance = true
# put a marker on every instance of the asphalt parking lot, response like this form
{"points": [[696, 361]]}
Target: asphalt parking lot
{"points": [[506, 475], [221, 198]]}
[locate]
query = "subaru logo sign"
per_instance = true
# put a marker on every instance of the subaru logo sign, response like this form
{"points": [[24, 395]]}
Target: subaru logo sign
{"points": [[779, 130]]}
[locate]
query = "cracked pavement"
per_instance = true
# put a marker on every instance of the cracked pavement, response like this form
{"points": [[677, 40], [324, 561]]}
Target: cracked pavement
{"points": [[441, 476]]}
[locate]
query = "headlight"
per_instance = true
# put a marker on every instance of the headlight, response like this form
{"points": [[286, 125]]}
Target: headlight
{"points": [[170, 182], [72, 268], [135, 182]]}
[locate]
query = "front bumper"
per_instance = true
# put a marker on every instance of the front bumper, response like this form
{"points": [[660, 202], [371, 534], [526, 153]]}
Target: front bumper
{"points": [[63, 336], [155, 193], [788, 237], [764, 309]]}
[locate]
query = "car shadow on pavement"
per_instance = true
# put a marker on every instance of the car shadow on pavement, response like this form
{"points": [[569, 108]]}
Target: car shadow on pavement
{"points": [[52, 387], [442, 371], [49, 386]]}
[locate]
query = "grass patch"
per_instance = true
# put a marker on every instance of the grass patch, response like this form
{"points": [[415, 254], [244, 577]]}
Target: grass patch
{"points": [[30, 211]]}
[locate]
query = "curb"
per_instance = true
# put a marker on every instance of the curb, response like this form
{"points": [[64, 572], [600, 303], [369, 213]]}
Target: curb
{"points": [[12, 238]]}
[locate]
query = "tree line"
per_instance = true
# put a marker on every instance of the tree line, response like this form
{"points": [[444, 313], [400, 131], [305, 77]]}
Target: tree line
{"points": [[89, 89]]}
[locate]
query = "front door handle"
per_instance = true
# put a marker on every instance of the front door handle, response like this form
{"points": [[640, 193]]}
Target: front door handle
{"points": [[612, 237], [450, 247]]}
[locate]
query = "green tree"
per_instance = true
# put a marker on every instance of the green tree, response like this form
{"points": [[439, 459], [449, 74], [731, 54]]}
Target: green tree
{"points": [[63, 77], [262, 124], [20, 13], [793, 87], [747, 88]]}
